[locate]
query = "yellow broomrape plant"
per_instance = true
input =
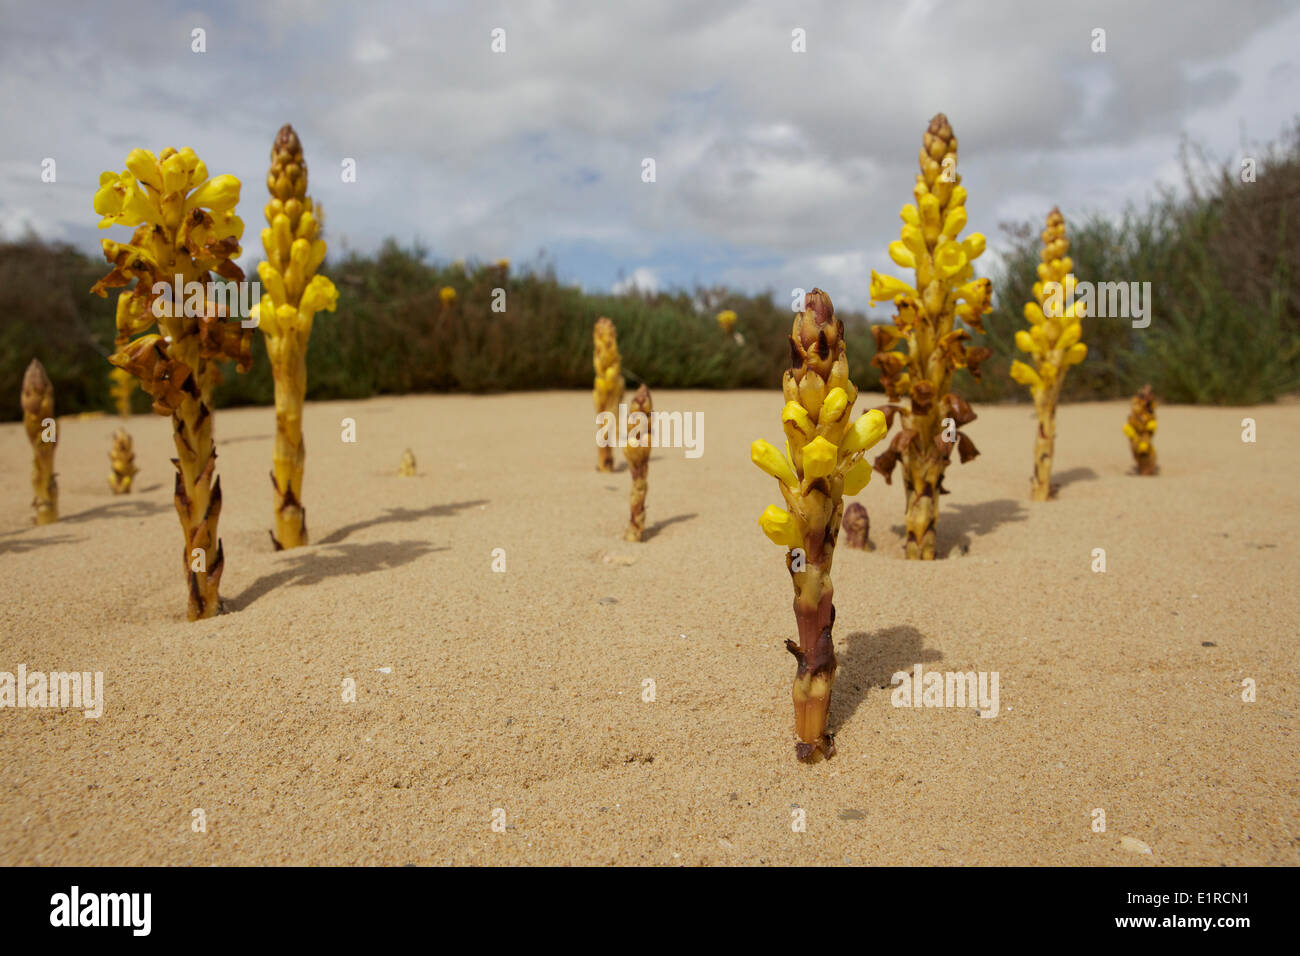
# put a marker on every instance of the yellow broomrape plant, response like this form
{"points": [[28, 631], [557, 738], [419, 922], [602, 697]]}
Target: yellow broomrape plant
{"points": [[824, 460], [637, 452], [1140, 430], [406, 467], [185, 229], [42, 433], [293, 294], [121, 457], [608, 389], [944, 292], [1052, 340]]}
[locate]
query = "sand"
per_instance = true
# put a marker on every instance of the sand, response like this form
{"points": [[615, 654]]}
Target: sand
{"points": [[524, 692]]}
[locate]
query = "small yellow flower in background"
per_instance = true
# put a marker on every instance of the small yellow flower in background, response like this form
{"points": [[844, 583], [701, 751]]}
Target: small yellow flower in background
{"points": [[637, 451], [406, 467], [1052, 341], [1139, 429], [447, 294], [607, 391], [727, 320], [1025, 374], [121, 455], [37, 401]]}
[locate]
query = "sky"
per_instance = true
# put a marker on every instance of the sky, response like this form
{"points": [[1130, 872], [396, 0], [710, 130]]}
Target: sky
{"points": [[774, 169]]}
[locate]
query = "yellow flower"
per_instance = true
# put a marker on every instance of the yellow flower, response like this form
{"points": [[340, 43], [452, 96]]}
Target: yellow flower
{"points": [[143, 165], [765, 455], [866, 431], [108, 198], [949, 259], [819, 458], [780, 527], [219, 195], [857, 477], [833, 406], [930, 214], [954, 222], [884, 288], [795, 418], [978, 294], [1076, 353], [1151, 425], [1071, 335], [914, 240], [447, 294], [1025, 375], [1129, 432], [120, 199], [902, 255], [973, 245], [1024, 341], [178, 170], [727, 320], [319, 294]]}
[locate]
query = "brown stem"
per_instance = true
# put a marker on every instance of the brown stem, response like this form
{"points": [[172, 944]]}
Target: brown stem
{"points": [[636, 521], [814, 613], [198, 503]]}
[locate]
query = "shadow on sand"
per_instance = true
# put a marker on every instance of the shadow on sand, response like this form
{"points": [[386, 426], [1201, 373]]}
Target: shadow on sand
{"points": [[658, 526], [958, 524], [23, 545], [121, 508], [400, 515], [869, 659], [242, 438], [314, 564], [1064, 478]]}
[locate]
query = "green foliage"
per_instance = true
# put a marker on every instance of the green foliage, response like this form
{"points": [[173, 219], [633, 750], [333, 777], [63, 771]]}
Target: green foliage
{"points": [[393, 334], [46, 313], [1222, 260]]}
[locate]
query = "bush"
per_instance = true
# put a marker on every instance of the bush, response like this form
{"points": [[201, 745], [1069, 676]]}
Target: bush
{"points": [[1221, 259], [392, 334]]}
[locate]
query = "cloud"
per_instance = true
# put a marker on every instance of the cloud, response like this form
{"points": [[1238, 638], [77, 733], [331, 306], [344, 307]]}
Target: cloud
{"points": [[774, 169], [642, 279]]}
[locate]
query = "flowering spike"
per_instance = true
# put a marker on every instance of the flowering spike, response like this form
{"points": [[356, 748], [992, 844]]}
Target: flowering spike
{"points": [[1140, 429], [1052, 341], [294, 294], [185, 229], [38, 420], [814, 480], [608, 390], [927, 323]]}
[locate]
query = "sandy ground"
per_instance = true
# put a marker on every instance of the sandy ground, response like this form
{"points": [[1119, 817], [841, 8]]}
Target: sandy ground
{"points": [[523, 691]]}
